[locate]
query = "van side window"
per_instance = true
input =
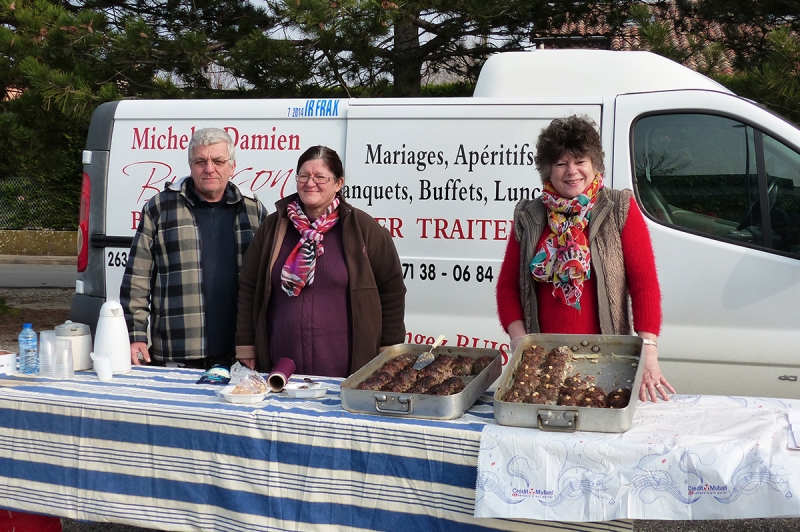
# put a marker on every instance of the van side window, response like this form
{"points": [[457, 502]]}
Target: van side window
{"points": [[718, 177]]}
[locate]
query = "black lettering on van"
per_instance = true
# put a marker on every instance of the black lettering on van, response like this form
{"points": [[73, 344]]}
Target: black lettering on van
{"points": [[373, 157], [452, 190], [375, 192], [421, 159], [415, 158], [519, 155], [461, 158], [513, 193]]}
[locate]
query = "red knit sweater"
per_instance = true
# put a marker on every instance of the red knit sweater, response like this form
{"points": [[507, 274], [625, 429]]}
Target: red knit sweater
{"points": [[556, 317]]}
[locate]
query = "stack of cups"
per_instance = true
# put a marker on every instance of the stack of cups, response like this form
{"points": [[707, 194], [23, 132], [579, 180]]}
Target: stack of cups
{"points": [[63, 367], [47, 341]]}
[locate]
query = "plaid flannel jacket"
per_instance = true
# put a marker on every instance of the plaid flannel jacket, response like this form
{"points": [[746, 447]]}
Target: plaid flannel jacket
{"points": [[163, 278]]}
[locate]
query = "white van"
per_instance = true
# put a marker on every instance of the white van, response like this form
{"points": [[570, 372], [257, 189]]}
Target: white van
{"points": [[717, 176]]}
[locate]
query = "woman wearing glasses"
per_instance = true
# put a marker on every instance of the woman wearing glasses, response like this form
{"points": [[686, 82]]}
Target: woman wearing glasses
{"points": [[321, 282]]}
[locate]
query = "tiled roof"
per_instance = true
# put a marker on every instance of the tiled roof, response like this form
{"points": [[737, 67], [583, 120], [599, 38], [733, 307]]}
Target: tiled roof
{"points": [[12, 93], [579, 34]]}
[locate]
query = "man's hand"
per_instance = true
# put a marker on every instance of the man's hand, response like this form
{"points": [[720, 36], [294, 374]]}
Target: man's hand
{"points": [[136, 348]]}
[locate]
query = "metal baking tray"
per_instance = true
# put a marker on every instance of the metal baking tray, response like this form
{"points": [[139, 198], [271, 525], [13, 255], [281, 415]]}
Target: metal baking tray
{"points": [[419, 405], [617, 366]]}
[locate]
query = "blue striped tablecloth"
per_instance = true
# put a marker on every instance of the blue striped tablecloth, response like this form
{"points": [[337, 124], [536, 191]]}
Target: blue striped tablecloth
{"points": [[152, 448]]}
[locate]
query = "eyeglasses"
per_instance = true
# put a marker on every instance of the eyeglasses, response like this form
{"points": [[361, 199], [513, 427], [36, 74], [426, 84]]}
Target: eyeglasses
{"points": [[202, 163], [318, 179]]}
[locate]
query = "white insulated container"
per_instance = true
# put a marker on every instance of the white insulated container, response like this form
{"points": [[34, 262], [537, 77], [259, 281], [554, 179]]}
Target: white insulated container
{"points": [[112, 337]]}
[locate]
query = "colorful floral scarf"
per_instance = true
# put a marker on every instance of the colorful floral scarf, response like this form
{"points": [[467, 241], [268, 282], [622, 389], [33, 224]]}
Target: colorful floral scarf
{"points": [[564, 258], [298, 271]]}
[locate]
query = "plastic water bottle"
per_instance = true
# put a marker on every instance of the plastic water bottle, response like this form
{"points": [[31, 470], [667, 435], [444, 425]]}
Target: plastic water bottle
{"points": [[28, 351]]}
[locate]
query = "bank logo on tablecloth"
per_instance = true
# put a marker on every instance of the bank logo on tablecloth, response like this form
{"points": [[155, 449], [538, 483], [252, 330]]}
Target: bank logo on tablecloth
{"points": [[708, 489]]}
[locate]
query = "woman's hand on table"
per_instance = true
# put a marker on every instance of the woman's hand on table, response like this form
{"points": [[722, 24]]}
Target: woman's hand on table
{"points": [[246, 356], [249, 363], [136, 348], [653, 381]]}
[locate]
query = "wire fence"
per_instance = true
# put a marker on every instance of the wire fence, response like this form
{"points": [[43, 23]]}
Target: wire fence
{"points": [[27, 204]]}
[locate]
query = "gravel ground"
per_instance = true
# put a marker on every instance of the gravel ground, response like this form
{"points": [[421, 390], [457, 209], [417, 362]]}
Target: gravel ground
{"points": [[43, 307], [50, 306]]}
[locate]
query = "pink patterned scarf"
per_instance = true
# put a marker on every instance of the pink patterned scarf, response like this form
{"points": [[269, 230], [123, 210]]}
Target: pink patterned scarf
{"points": [[564, 258], [298, 271]]}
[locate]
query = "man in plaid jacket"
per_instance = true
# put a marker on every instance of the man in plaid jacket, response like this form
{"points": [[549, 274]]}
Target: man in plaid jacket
{"points": [[182, 273]]}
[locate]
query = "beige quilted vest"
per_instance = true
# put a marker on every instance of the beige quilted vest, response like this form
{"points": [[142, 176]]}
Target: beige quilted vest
{"points": [[608, 265]]}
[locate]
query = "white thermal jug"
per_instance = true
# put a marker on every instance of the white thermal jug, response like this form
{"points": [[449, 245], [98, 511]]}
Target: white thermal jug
{"points": [[81, 338], [112, 337]]}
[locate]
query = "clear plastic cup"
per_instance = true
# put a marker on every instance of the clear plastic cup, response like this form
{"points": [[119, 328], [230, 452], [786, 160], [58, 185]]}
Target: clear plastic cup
{"points": [[46, 347], [63, 367], [103, 363]]}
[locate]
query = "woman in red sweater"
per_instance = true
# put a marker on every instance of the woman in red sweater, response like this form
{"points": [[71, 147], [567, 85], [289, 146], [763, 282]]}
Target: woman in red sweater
{"points": [[579, 251]]}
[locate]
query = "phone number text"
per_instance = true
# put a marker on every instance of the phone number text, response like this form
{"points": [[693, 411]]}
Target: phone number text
{"points": [[459, 273]]}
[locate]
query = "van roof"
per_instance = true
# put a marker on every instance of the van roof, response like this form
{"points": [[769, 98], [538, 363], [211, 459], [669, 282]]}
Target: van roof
{"points": [[583, 73]]}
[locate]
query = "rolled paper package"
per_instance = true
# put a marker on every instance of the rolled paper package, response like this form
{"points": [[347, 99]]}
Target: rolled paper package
{"points": [[280, 374]]}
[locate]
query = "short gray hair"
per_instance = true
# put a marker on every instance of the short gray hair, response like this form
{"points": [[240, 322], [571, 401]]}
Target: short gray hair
{"points": [[212, 135]]}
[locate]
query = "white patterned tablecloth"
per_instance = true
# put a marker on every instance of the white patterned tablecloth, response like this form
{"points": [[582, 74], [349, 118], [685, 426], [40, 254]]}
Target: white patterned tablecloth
{"points": [[694, 457]]}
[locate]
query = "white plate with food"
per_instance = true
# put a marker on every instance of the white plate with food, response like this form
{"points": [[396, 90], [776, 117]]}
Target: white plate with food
{"points": [[235, 394], [306, 390]]}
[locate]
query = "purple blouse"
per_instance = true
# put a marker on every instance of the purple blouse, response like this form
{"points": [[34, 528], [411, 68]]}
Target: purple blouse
{"points": [[313, 328]]}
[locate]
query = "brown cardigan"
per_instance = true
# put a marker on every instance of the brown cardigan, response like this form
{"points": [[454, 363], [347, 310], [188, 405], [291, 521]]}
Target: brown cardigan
{"points": [[377, 291]]}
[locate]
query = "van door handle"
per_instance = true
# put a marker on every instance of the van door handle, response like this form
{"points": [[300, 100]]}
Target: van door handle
{"points": [[791, 378]]}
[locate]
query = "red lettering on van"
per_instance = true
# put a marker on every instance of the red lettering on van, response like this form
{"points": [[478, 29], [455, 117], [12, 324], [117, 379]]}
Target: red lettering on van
{"points": [[483, 224], [234, 133], [501, 228], [263, 178], [441, 225], [421, 339], [137, 217], [505, 352], [149, 140], [152, 172], [140, 139], [468, 229], [465, 341], [462, 341], [394, 226], [425, 222]]}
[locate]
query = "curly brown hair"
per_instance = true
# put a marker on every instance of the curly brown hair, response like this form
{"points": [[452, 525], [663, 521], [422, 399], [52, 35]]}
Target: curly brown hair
{"points": [[575, 135]]}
